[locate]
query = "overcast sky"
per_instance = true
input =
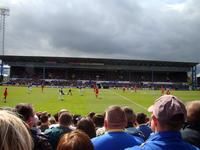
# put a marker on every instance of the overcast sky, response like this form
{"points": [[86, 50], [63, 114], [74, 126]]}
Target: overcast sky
{"points": [[132, 29]]}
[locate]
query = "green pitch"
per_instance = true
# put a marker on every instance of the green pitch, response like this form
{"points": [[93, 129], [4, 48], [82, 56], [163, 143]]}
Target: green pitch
{"points": [[49, 100]]}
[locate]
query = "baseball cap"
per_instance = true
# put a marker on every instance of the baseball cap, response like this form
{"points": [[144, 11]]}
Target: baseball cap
{"points": [[166, 107]]}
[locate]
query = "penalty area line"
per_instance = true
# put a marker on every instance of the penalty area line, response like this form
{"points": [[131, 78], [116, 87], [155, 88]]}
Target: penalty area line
{"points": [[128, 99]]}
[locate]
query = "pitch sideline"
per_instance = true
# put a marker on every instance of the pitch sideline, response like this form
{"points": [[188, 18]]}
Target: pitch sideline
{"points": [[128, 99]]}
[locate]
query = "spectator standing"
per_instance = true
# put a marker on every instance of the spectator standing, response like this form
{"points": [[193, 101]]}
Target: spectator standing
{"points": [[54, 134], [98, 121], [86, 125], [191, 132], [142, 121], [168, 116], [14, 134], [27, 114], [131, 122], [44, 118], [99, 124], [91, 115], [115, 138]]}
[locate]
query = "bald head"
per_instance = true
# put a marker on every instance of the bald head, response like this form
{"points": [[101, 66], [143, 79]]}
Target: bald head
{"points": [[115, 118]]}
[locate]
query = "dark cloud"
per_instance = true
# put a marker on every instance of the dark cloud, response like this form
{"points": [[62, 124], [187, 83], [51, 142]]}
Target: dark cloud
{"points": [[140, 29]]}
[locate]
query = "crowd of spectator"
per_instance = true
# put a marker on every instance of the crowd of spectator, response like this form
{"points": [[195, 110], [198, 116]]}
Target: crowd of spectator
{"points": [[172, 125], [90, 83], [102, 75]]}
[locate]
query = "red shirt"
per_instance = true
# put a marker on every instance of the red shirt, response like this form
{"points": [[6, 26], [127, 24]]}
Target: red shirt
{"points": [[5, 92], [97, 90], [168, 92]]}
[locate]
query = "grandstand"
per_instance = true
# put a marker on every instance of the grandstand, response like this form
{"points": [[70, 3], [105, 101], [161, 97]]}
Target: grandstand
{"points": [[108, 72], [198, 80]]}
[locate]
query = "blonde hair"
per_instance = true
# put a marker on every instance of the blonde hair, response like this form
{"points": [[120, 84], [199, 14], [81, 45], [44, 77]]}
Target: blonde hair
{"points": [[14, 134]]}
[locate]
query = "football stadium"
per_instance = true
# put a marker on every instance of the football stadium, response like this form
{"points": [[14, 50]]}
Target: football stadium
{"points": [[141, 79], [99, 75]]}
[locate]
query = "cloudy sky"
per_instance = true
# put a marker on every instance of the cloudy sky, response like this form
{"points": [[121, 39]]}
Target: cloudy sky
{"points": [[131, 29]]}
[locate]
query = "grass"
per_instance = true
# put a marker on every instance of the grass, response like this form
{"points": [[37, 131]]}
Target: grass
{"points": [[77, 104]]}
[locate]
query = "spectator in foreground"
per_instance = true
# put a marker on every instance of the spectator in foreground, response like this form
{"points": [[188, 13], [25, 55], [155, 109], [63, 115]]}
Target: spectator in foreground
{"points": [[44, 118], [91, 115], [86, 125], [51, 120], [191, 132], [115, 138], [168, 116], [75, 119], [54, 134], [27, 114], [14, 134], [98, 122], [131, 123], [75, 140], [142, 121]]}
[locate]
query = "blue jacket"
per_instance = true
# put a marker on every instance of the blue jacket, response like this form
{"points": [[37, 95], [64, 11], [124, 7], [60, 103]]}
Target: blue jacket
{"points": [[145, 129], [115, 141], [165, 141]]}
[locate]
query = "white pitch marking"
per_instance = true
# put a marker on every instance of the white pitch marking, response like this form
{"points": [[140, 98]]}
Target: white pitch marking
{"points": [[131, 101]]}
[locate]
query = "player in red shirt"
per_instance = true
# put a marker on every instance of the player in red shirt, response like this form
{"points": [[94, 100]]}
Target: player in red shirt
{"points": [[94, 87], [96, 92], [162, 90], [5, 94], [168, 92]]}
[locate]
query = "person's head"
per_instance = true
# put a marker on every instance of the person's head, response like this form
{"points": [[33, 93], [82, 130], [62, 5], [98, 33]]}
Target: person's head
{"points": [[115, 118], [62, 111], [13, 133], [87, 126], [193, 112], [76, 118], [141, 118], [91, 115], [26, 113], [98, 120], [44, 118], [65, 119], [75, 140], [130, 116], [168, 113], [52, 120], [56, 117]]}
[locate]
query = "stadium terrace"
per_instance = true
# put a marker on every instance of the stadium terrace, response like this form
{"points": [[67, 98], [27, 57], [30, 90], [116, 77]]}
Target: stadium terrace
{"points": [[107, 72]]}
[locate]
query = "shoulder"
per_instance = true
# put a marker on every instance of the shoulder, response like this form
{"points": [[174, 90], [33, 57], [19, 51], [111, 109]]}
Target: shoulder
{"points": [[41, 142], [47, 131], [134, 148], [189, 131], [143, 146], [100, 138], [51, 131], [134, 132], [192, 136]]}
